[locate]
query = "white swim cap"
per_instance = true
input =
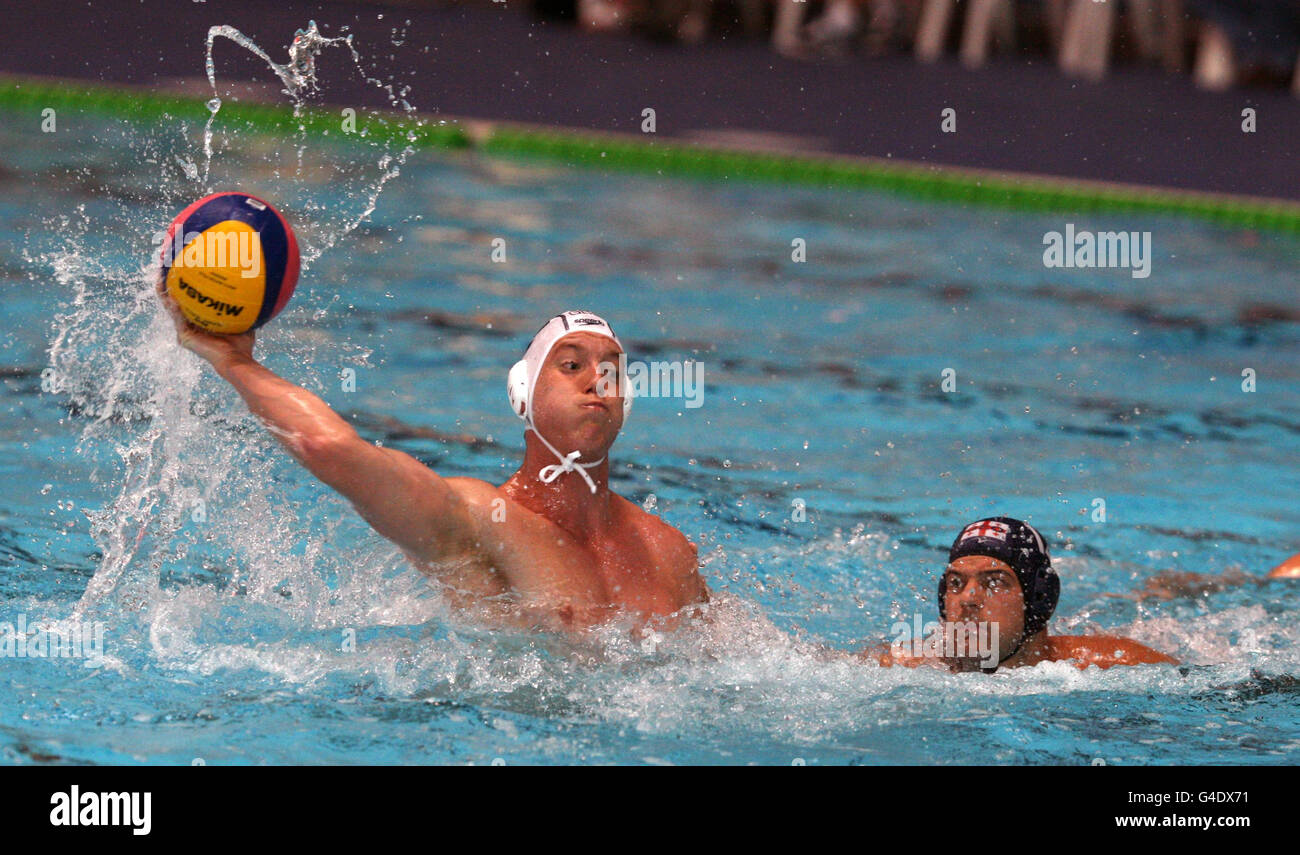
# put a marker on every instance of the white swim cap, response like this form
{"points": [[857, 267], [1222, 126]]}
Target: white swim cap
{"points": [[522, 382]]}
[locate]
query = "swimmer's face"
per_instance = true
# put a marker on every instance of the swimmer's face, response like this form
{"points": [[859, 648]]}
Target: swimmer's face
{"points": [[568, 408], [983, 589]]}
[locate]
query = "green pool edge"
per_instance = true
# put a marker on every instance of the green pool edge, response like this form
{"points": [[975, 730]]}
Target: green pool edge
{"points": [[614, 152]]}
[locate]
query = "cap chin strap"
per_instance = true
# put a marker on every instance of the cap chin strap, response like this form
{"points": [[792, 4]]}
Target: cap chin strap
{"points": [[1019, 644], [1014, 650], [568, 462]]}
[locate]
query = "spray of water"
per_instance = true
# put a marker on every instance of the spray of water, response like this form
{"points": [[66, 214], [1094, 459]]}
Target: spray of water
{"points": [[202, 491], [298, 75], [299, 78]]}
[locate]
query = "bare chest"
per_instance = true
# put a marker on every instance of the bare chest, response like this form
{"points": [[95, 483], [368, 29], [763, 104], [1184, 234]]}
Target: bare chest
{"points": [[585, 583]]}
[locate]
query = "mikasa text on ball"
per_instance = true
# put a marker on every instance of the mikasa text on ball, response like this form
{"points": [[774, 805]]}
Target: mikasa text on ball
{"points": [[231, 262]]}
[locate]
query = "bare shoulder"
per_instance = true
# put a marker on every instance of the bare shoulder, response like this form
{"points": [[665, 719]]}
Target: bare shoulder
{"points": [[681, 556], [662, 535], [495, 516], [1105, 651], [1288, 569], [474, 492], [888, 655]]}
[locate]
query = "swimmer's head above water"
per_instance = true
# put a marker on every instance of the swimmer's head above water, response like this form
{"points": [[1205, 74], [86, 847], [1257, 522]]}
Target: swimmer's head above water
{"points": [[557, 390], [999, 573]]}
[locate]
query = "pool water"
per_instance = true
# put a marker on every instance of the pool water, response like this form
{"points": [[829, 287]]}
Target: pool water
{"points": [[250, 616]]}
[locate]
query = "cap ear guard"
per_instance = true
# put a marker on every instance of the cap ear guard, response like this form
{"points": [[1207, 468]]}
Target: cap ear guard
{"points": [[627, 395], [1041, 599], [517, 388], [622, 386]]}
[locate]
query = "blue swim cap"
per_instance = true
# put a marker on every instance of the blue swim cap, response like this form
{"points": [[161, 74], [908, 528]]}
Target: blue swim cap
{"points": [[1024, 550]]}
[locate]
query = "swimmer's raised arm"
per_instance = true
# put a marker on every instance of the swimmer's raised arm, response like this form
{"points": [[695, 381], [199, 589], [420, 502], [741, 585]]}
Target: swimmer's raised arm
{"points": [[562, 553], [400, 497]]}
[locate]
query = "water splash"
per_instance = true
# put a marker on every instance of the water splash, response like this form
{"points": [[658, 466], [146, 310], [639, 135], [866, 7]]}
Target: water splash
{"points": [[298, 75], [175, 437], [300, 81]]}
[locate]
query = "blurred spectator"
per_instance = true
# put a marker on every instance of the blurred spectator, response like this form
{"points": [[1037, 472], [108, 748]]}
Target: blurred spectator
{"points": [[1262, 32], [598, 16], [1230, 34], [841, 24]]}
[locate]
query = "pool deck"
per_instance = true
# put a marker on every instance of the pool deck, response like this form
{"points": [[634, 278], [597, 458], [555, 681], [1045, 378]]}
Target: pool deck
{"points": [[496, 62]]}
